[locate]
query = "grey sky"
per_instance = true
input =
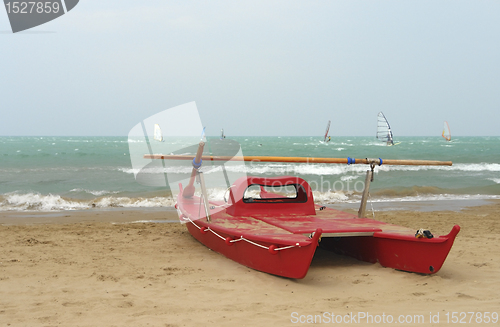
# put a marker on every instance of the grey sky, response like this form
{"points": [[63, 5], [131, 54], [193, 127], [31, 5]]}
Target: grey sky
{"points": [[256, 67]]}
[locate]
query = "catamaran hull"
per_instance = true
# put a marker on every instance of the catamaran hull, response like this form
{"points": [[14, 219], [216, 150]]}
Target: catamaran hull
{"points": [[405, 253], [425, 256], [292, 262]]}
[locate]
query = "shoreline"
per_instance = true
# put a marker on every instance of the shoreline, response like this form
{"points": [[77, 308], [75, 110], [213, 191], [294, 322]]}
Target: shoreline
{"points": [[169, 214], [98, 268], [425, 205], [108, 215]]}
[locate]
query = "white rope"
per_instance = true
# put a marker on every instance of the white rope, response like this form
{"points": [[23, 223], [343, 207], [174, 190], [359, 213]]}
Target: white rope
{"points": [[371, 204], [219, 236], [284, 248], [208, 229], [256, 244]]}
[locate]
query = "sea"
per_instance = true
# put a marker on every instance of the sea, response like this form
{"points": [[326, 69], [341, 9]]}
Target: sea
{"points": [[52, 174]]}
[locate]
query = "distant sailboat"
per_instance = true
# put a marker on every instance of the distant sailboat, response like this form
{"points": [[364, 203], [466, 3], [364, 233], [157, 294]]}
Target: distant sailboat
{"points": [[446, 132], [157, 135], [327, 138], [222, 135], [384, 133]]}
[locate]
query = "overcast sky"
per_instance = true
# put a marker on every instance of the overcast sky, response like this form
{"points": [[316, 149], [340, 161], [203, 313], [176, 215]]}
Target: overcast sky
{"points": [[256, 67]]}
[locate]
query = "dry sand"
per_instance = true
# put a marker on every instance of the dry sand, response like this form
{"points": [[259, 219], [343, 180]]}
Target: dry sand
{"points": [[79, 269]]}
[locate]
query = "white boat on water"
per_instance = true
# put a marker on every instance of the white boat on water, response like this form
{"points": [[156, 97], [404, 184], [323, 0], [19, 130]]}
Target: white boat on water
{"points": [[157, 135], [384, 132], [446, 132], [326, 137]]}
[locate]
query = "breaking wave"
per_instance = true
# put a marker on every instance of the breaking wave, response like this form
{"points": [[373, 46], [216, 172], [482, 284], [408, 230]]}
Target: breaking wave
{"points": [[92, 192], [39, 202]]}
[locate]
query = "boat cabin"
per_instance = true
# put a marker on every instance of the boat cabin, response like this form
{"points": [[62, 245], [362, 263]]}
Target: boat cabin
{"points": [[284, 195]]}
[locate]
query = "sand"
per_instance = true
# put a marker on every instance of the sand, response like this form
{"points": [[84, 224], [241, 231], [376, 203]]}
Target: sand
{"points": [[96, 268]]}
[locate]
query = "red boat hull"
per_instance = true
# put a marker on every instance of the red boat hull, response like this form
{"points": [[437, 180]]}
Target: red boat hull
{"points": [[292, 263], [279, 235], [412, 254]]}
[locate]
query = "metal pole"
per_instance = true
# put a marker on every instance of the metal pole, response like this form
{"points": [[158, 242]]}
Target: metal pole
{"points": [[364, 197], [204, 195]]}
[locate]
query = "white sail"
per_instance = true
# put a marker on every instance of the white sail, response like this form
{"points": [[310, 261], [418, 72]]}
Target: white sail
{"points": [[326, 133], [157, 135], [222, 136], [446, 131], [384, 133]]}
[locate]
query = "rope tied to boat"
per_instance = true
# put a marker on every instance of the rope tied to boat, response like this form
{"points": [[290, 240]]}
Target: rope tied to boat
{"points": [[371, 204], [197, 165], [372, 167], [272, 248]]}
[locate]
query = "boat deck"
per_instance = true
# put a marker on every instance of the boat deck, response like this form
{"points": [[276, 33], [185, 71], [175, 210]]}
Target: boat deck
{"points": [[296, 229]]}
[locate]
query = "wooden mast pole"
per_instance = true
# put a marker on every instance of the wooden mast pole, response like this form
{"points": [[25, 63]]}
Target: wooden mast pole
{"points": [[349, 161], [189, 190]]}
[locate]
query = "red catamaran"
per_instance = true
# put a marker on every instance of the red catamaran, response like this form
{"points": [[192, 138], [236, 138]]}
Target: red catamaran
{"points": [[278, 231]]}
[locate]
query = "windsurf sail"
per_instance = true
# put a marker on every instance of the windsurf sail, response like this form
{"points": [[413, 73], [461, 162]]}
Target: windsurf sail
{"points": [[384, 133], [446, 131], [157, 135], [326, 133], [222, 136]]}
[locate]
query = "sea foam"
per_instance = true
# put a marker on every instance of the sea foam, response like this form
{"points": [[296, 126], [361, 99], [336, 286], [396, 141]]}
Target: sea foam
{"points": [[39, 202]]}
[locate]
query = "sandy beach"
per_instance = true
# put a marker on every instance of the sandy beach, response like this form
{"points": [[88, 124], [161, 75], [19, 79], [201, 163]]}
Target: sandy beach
{"points": [[100, 268]]}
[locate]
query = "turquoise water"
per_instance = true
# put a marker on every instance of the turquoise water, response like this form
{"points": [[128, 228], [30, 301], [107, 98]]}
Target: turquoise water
{"points": [[67, 173]]}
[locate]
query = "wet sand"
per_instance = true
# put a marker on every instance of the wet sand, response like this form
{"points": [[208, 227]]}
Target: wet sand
{"points": [[100, 268]]}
